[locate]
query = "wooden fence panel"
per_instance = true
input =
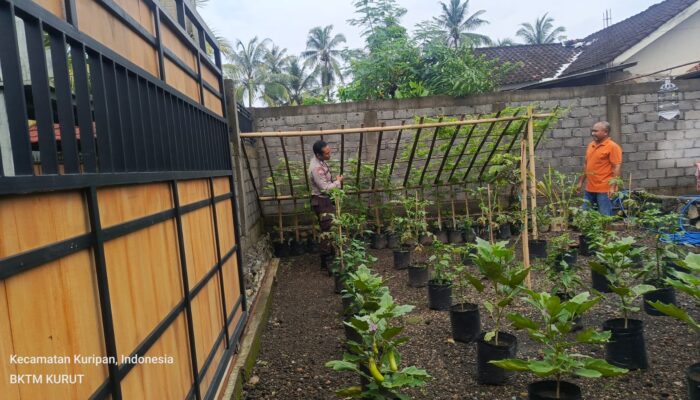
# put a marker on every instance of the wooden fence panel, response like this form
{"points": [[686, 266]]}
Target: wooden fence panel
{"points": [[63, 321], [96, 22], [30, 222], [55, 7], [144, 276], [163, 381]]}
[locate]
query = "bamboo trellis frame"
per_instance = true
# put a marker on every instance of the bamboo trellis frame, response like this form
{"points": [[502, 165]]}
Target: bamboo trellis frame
{"points": [[494, 127]]}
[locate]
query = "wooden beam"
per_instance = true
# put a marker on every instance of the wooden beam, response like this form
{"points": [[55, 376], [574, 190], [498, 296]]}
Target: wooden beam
{"points": [[389, 128]]}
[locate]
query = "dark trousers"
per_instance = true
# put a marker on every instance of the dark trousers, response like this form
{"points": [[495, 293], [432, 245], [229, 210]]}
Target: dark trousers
{"points": [[324, 209]]}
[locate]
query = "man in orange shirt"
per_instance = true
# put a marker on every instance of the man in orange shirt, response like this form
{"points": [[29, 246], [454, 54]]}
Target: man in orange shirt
{"points": [[603, 162]]}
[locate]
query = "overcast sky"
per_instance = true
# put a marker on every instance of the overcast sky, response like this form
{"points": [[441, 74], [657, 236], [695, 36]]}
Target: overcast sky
{"points": [[287, 22]]}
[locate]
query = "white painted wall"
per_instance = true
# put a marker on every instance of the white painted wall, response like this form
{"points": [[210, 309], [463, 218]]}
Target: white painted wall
{"points": [[677, 46]]}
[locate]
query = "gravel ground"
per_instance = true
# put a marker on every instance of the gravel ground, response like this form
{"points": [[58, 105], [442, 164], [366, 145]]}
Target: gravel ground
{"points": [[305, 331]]}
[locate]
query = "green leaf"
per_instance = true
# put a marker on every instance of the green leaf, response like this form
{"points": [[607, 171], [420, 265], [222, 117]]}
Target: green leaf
{"points": [[340, 365], [675, 312], [489, 306], [542, 368], [391, 332], [604, 368], [511, 364], [641, 289], [587, 373], [522, 322]]}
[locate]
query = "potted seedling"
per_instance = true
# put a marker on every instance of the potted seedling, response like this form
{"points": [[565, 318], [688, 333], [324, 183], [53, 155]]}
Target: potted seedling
{"points": [[497, 264], [559, 190], [689, 283], [559, 249], [559, 360], [441, 263], [615, 261], [374, 357], [591, 224], [409, 227], [464, 315], [467, 225], [663, 257]]}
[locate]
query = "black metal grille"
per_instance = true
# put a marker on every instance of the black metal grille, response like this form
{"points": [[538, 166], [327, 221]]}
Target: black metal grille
{"points": [[128, 121]]}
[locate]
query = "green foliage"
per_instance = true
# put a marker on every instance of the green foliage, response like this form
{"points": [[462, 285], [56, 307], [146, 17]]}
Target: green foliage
{"points": [[443, 260], [615, 260], [462, 278], [560, 191], [390, 66], [496, 262], [687, 282], [592, 225], [375, 356], [396, 67], [459, 72], [412, 224], [664, 253], [542, 32], [311, 100], [556, 320], [563, 276]]}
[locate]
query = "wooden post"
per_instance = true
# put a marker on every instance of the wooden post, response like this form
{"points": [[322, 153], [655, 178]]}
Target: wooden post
{"points": [[533, 178], [523, 207]]}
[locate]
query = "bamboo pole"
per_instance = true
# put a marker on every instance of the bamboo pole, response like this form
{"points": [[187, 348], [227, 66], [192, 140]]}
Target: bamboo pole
{"points": [[466, 202], [488, 194], [533, 178], [279, 216], [452, 204], [390, 128], [523, 207]]}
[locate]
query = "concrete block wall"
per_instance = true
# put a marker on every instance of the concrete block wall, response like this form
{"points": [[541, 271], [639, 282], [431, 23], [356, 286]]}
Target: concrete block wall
{"points": [[660, 155]]}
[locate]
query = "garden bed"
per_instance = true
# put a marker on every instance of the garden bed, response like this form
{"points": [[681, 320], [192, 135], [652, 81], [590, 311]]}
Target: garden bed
{"points": [[305, 331]]}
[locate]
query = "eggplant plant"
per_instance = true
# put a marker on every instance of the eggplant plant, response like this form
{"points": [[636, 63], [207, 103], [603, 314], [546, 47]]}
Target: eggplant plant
{"points": [[556, 320], [375, 356], [497, 263], [615, 260]]}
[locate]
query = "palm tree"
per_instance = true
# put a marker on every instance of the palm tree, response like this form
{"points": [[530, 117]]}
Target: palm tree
{"points": [[542, 32], [322, 54], [275, 58], [250, 67], [297, 81], [458, 23], [504, 42]]}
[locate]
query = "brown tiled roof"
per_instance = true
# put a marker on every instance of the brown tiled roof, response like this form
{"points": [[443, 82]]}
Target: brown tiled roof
{"points": [[542, 61], [604, 45], [536, 62]]}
